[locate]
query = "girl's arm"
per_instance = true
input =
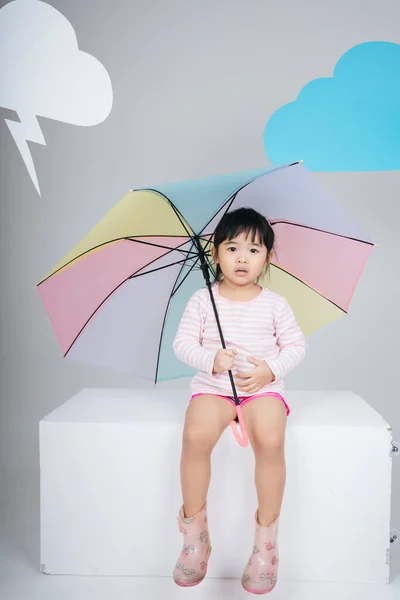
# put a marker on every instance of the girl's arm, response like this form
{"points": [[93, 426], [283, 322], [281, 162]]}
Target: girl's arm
{"points": [[291, 342], [187, 343]]}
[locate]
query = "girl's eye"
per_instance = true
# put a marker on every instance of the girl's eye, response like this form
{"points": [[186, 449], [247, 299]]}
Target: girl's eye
{"points": [[254, 250], [231, 248]]}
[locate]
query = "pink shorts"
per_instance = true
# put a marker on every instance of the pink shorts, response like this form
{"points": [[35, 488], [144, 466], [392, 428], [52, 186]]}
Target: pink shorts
{"points": [[245, 399]]}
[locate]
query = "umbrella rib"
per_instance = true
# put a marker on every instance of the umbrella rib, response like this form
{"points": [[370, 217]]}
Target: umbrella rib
{"points": [[207, 242], [193, 266], [163, 325], [138, 274], [285, 222], [309, 286], [177, 248], [233, 196], [291, 223], [114, 290], [186, 276], [94, 312], [158, 258], [229, 201], [176, 211], [111, 242], [180, 217], [168, 304]]}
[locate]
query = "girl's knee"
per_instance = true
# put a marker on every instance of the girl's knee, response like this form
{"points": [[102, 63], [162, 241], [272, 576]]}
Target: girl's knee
{"points": [[271, 442], [199, 439]]}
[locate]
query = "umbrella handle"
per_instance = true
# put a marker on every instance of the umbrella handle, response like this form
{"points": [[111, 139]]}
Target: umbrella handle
{"points": [[243, 439]]}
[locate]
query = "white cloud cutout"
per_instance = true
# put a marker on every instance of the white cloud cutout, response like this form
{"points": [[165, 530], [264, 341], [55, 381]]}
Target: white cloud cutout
{"points": [[44, 74]]}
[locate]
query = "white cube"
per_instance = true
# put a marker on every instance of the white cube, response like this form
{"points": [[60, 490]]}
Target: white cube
{"points": [[110, 488]]}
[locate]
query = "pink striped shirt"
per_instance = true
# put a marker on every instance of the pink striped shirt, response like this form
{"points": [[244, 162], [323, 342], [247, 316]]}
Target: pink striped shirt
{"points": [[264, 327]]}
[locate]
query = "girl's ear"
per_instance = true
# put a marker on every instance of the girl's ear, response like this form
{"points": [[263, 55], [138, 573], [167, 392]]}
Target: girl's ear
{"points": [[270, 256], [214, 254]]}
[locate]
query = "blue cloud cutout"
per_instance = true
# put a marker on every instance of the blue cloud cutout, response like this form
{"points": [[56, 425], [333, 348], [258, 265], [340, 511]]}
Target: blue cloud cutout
{"points": [[348, 122]]}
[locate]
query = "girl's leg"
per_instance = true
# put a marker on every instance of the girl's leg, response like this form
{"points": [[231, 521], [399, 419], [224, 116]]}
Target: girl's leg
{"points": [[265, 418], [206, 418]]}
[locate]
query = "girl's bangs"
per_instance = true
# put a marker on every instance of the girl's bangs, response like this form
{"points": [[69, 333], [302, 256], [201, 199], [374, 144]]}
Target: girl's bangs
{"points": [[250, 231]]}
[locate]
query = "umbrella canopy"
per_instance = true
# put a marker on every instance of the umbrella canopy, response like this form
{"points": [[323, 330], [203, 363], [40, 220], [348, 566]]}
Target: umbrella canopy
{"points": [[116, 299]]}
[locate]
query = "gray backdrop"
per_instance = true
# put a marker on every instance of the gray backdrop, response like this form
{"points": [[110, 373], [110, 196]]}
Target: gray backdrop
{"points": [[194, 85]]}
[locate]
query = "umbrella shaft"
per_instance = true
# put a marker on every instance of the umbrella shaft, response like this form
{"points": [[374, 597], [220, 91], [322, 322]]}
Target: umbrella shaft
{"points": [[206, 274], [221, 335]]}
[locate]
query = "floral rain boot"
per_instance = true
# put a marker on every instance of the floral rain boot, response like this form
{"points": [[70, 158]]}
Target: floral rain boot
{"points": [[191, 567], [261, 573]]}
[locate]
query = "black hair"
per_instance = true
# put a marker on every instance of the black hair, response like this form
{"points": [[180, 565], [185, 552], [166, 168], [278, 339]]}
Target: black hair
{"points": [[247, 221]]}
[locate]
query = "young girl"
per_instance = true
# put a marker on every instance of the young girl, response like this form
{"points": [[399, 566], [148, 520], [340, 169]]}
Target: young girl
{"points": [[263, 344]]}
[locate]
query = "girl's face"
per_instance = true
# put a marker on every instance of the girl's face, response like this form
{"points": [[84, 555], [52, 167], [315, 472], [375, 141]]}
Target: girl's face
{"points": [[241, 260]]}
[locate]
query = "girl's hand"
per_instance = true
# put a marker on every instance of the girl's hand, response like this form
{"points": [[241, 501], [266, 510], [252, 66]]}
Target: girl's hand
{"points": [[224, 360], [256, 379]]}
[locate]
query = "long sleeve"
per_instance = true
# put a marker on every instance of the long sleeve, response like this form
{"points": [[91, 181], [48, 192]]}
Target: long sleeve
{"points": [[187, 343], [291, 342]]}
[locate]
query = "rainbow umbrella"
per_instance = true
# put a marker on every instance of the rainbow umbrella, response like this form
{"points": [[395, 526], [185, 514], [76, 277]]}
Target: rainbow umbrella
{"points": [[116, 298]]}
